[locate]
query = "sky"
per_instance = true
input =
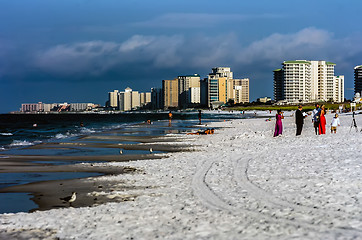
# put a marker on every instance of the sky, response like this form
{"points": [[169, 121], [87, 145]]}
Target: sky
{"points": [[79, 50]]}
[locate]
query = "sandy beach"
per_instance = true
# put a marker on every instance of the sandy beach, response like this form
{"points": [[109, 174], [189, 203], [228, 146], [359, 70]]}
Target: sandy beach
{"points": [[240, 183]]}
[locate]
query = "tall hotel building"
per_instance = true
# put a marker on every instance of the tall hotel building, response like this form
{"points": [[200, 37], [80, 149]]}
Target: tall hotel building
{"points": [[129, 100], [113, 99], [304, 81], [188, 90], [170, 93], [222, 87], [358, 79], [241, 90], [218, 87]]}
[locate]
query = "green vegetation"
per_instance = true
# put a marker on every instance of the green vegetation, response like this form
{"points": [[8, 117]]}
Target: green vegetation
{"points": [[306, 107]]}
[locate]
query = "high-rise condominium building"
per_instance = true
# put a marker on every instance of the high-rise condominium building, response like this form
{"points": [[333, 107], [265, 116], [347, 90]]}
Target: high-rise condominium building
{"points": [[145, 99], [170, 93], [303, 81], [358, 79], [129, 100], [220, 82], [113, 99], [338, 88], [156, 98], [241, 90], [278, 84], [222, 87], [189, 90]]}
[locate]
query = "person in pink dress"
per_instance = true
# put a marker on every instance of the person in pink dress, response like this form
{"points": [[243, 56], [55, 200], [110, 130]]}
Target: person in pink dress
{"points": [[279, 125], [322, 120]]}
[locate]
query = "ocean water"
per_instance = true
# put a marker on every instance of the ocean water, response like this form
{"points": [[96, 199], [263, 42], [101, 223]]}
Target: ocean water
{"points": [[18, 132]]}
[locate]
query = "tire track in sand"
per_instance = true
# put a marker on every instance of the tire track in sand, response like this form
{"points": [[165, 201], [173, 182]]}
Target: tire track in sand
{"points": [[210, 199], [241, 177]]}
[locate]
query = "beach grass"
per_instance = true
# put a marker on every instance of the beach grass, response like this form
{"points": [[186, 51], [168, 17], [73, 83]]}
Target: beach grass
{"points": [[306, 107]]}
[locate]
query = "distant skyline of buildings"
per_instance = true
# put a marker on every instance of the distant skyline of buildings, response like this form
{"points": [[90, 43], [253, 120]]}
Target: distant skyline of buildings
{"points": [[128, 100], [57, 107], [190, 91], [298, 81]]}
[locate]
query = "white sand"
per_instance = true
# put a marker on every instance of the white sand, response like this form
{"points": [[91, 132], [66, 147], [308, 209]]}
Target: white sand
{"points": [[241, 184]]}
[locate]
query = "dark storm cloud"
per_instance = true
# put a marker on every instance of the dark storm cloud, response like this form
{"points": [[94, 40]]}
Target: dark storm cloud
{"points": [[153, 57], [95, 58]]}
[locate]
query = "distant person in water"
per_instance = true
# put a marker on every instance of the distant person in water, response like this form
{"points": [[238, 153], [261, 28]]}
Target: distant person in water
{"points": [[278, 124], [199, 115], [169, 118]]}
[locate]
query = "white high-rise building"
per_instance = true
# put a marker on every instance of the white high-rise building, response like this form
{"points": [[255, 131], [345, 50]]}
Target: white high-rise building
{"points": [[194, 95], [305, 81], [338, 89], [113, 99], [186, 84], [241, 90], [125, 100]]}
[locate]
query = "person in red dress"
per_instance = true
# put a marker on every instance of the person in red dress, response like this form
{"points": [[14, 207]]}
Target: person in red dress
{"points": [[322, 120]]}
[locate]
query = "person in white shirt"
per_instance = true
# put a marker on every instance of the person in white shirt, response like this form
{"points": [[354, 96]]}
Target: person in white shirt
{"points": [[335, 122]]}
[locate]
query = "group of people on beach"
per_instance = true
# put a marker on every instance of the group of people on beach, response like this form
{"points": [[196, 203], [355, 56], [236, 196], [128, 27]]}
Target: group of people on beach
{"points": [[318, 120]]}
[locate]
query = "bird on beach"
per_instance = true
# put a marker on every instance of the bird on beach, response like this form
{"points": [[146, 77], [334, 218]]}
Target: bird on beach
{"points": [[151, 150], [121, 151], [70, 199]]}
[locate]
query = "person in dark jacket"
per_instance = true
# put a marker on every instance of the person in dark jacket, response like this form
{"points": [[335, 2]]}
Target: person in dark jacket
{"points": [[299, 119]]}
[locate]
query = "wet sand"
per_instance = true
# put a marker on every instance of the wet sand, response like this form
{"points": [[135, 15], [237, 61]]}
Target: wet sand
{"points": [[47, 194]]}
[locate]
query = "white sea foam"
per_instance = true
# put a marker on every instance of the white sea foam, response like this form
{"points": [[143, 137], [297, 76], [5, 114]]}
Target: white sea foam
{"points": [[66, 135], [87, 131], [6, 134], [16, 143]]}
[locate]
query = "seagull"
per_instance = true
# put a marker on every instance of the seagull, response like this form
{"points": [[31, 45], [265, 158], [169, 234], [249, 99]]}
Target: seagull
{"points": [[70, 199], [121, 151], [151, 150]]}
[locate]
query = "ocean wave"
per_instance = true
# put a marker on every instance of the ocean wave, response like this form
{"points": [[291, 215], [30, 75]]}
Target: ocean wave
{"points": [[87, 130], [66, 135], [6, 134], [16, 143]]}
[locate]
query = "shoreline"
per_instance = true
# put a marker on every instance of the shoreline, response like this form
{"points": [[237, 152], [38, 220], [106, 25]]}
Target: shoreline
{"points": [[47, 194], [240, 183]]}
